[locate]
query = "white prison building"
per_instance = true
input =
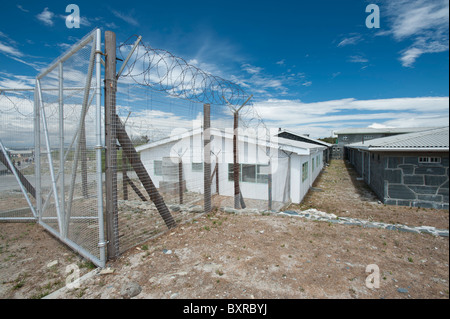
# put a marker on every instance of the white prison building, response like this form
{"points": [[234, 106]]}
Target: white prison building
{"points": [[294, 164]]}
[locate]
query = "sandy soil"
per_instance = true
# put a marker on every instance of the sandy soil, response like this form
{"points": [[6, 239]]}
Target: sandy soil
{"points": [[223, 256]]}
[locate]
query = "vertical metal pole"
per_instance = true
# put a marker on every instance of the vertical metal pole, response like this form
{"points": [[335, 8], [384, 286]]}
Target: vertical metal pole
{"points": [[49, 156], [61, 146], [110, 143], [217, 175], [98, 150], [80, 135], [37, 153], [180, 179], [84, 179], [207, 157], [237, 202], [269, 186]]}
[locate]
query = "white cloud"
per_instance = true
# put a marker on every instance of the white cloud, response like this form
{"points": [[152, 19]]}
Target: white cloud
{"points": [[16, 81], [336, 114], [22, 8], [335, 74], [350, 40], [127, 18], [358, 59], [83, 20], [425, 22], [9, 50], [46, 17], [251, 69], [378, 125], [15, 54]]}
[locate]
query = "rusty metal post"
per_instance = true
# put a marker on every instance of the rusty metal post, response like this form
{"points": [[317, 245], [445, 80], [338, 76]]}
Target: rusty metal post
{"points": [[207, 157]]}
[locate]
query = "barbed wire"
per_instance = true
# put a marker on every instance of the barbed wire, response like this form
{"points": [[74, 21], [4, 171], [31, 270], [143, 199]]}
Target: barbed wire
{"points": [[162, 71]]}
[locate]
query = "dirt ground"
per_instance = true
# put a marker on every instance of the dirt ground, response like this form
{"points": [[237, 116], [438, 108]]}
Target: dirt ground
{"points": [[222, 255]]}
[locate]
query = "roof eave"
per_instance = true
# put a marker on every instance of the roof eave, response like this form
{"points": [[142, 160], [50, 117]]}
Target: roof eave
{"points": [[401, 149]]}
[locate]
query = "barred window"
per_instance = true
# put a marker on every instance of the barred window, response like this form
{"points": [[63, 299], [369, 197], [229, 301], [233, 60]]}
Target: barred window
{"points": [[429, 159]]}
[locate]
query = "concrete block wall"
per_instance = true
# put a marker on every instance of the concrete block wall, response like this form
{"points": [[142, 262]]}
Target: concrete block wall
{"points": [[399, 179], [410, 183]]}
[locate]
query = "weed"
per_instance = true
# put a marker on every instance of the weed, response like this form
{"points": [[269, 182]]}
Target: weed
{"points": [[219, 272]]}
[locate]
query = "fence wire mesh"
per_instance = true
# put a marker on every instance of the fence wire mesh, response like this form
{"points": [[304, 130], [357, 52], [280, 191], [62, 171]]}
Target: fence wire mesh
{"points": [[169, 136], [17, 137], [177, 148], [67, 146]]}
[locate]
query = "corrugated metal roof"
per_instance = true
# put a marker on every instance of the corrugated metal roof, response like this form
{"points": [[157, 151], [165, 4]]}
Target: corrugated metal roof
{"points": [[431, 139], [298, 147], [305, 137], [368, 130]]}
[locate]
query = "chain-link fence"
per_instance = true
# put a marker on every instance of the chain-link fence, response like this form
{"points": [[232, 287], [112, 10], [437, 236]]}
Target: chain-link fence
{"points": [[17, 160], [172, 142]]}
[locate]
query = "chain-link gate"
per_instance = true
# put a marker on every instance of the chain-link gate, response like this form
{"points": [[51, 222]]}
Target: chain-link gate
{"points": [[68, 149]]}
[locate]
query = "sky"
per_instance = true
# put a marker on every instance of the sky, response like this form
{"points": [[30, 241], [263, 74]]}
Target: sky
{"points": [[313, 67]]}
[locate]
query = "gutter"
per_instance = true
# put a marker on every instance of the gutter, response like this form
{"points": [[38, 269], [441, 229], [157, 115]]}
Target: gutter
{"points": [[402, 149]]}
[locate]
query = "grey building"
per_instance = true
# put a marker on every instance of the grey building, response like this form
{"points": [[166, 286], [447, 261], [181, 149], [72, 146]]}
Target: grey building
{"points": [[408, 169], [356, 135]]}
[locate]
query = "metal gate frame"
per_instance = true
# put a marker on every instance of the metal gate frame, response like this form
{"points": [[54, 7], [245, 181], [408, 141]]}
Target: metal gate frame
{"points": [[63, 212]]}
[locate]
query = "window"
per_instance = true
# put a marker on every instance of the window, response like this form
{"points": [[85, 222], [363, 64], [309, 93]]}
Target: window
{"points": [[250, 173], [262, 174], [429, 159], [230, 172], [305, 171], [197, 167], [157, 168], [313, 167]]}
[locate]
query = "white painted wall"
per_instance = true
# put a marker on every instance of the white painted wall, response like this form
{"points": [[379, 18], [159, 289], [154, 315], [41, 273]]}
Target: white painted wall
{"points": [[191, 150]]}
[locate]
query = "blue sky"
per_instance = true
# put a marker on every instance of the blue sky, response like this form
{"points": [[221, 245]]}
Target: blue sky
{"points": [[312, 66]]}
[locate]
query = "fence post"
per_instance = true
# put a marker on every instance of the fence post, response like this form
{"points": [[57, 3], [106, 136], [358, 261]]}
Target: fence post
{"points": [[269, 186], [207, 157], [112, 228], [217, 175], [180, 179], [237, 203]]}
